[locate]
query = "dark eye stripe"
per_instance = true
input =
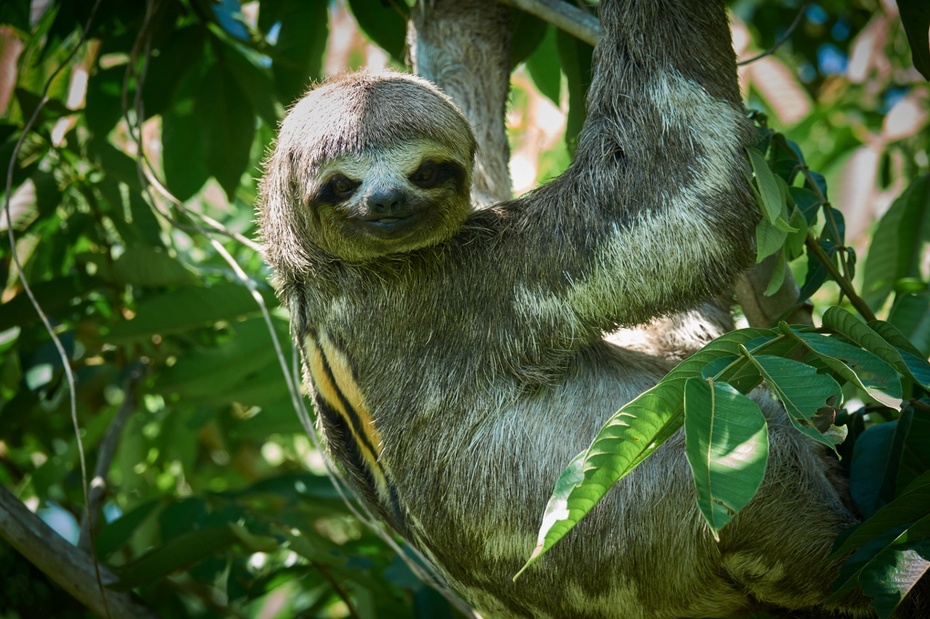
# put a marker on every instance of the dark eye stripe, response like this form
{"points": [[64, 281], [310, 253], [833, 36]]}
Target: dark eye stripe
{"points": [[432, 174], [330, 192]]}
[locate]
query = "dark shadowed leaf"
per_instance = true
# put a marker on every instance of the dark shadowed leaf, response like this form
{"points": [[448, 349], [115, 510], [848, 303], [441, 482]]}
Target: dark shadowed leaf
{"points": [[182, 151], [543, 65], [187, 308], [915, 15], [383, 23], [145, 266], [575, 57], [298, 51], [228, 125]]}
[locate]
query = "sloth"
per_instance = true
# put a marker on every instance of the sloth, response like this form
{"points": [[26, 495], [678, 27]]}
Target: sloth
{"points": [[458, 358]]}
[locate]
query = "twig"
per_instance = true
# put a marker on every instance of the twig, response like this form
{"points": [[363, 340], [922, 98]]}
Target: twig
{"points": [[76, 571], [844, 284], [784, 38], [106, 450]]}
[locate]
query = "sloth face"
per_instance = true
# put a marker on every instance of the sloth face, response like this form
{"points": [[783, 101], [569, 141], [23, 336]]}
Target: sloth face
{"points": [[388, 201]]}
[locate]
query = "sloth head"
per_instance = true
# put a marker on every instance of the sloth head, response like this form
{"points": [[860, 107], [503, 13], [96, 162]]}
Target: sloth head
{"points": [[366, 166]]}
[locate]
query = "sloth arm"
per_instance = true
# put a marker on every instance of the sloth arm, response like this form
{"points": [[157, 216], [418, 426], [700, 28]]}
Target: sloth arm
{"points": [[654, 215]]}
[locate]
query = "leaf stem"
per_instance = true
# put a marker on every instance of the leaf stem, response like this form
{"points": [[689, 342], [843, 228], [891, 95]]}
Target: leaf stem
{"points": [[845, 285]]}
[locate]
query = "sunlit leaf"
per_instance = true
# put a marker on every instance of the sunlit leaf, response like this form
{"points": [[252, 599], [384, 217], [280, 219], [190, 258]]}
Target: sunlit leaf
{"points": [[858, 366], [727, 444], [628, 438]]}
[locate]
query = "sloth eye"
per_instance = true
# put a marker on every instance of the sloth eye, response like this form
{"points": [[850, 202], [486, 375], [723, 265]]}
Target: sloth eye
{"points": [[341, 187], [426, 176]]}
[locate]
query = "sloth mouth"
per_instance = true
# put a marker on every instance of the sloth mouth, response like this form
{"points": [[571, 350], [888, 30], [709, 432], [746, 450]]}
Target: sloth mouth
{"points": [[389, 228]]}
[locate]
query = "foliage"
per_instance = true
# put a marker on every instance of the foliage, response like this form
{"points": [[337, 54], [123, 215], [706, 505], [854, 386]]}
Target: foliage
{"points": [[217, 501]]}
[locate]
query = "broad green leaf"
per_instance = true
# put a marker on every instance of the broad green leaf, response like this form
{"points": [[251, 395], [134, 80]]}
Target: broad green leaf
{"points": [[575, 58], [778, 276], [885, 561], [173, 69], [527, 32], [801, 390], [771, 200], [896, 248], [794, 244], [182, 151], [807, 202], [543, 65], [910, 314], [298, 52], [383, 23], [628, 438], [872, 469], [845, 322], [219, 375], [727, 445], [104, 100], [912, 505], [145, 266], [114, 535], [914, 448], [187, 308], [181, 552], [254, 82], [228, 127], [859, 367], [769, 239], [915, 15]]}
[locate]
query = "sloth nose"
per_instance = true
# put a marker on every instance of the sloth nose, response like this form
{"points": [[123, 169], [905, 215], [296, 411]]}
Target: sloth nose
{"points": [[388, 202]]}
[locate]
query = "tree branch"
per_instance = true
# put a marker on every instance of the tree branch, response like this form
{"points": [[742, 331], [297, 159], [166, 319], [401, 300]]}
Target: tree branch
{"points": [[564, 16], [70, 567]]}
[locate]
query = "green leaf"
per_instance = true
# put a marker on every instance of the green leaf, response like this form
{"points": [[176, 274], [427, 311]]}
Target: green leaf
{"points": [[801, 390], [575, 57], [145, 266], [769, 239], [254, 82], [628, 438], [545, 69], [527, 33], [872, 466], [859, 367], [228, 127], [778, 276], [186, 308], [301, 43], [182, 151], [771, 200], [727, 445], [910, 314], [179, 553], [174, 69], [912, 505], [114, 535], [845, 322], [896, 248], [383, 23], [915, 15], [104, 105]]}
